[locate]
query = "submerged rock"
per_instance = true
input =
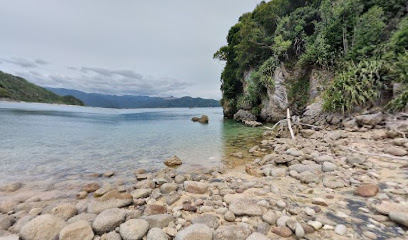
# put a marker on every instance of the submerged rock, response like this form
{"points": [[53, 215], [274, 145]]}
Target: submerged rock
{"points": [[202, 119], [173, 161]]}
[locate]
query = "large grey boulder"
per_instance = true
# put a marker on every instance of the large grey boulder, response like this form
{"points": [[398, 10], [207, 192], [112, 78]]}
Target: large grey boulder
{"points": [[77, 230], [108, 220], [134, 229], [244, 115], [195, 232], [44, 227], [370, 119]]}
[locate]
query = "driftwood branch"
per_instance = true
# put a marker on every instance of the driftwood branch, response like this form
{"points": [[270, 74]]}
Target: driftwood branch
{"points": [[376, 154], [308, 125], [276, 124], [289, 124]]}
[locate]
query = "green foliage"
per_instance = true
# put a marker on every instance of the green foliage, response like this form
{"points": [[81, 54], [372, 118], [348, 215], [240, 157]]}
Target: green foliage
{"points": [[265, 73], [17, 88], [367, 33], [298, 92], [342, 36], [398, 42], [399, 73], [358, 85]]}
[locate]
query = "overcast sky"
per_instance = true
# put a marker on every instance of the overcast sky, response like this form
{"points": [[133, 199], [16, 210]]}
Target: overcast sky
{"points": [[151, 47]]}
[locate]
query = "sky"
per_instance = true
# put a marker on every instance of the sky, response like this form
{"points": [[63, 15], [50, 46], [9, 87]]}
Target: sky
{"points": [[152, 47]]}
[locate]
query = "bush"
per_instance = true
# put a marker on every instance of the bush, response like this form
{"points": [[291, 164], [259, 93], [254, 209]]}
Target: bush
{"points": [[356, 86], [399, 73]]}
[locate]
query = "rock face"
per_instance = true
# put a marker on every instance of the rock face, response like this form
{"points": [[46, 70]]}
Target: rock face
{"points": [[108, 220], [244, 115], [202, 119], [367, 190], [195, 232], [245, 206], [233, 232], [77, 230], [274, 106], [44, 227], [134, 229], [195, 187], [173, 161]]}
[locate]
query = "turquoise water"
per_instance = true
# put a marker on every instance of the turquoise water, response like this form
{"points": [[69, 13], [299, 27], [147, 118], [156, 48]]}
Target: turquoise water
{"points": [[42, 140]]}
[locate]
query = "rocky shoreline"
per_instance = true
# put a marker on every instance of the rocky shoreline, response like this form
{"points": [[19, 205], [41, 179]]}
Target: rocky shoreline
{"points": [[341, 182]]}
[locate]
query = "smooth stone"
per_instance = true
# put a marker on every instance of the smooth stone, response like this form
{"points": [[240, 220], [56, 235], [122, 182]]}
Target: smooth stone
{"points": [[65, 211], [195, 187], [396, 151], [78, 230], [309, 177], [156, 234], [270, 217], [6, 222], [110, 236], [282, 231], [281, 204], [245, 206], [314, 168], [315, 224], [195, 232], [91, 187], [282, 221], [108, 220], [328, 167], [367, 190], [89, 217], [11, 187], [299, 231], [333, 182], [399, 217], [141, 193], [257, 236], [340, 229], [133, 229], [172, 198], [154, 209], [112, 199], [229, 216], [208, 219], [159, 220], [44, 227], [241, 231], [168, 187], [387, 207]]}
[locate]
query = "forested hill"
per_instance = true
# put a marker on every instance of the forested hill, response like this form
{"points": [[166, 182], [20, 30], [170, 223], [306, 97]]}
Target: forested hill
{"points": [[343, 55], [18, 89], [129, 101]]}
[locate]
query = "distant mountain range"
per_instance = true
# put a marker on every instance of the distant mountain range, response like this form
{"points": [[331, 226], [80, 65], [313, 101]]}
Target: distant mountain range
{"points": [[18, 89], [129, 101]]}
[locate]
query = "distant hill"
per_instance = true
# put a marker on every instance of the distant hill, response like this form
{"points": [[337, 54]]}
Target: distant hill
{"points": [[128, 101], [18, 89]]}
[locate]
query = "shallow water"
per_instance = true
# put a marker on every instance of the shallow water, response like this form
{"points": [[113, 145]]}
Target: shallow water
{"points": [[38, 141]]}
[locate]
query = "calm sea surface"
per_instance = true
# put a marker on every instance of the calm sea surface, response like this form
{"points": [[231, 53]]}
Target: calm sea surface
{"points": [[38, 141]]}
